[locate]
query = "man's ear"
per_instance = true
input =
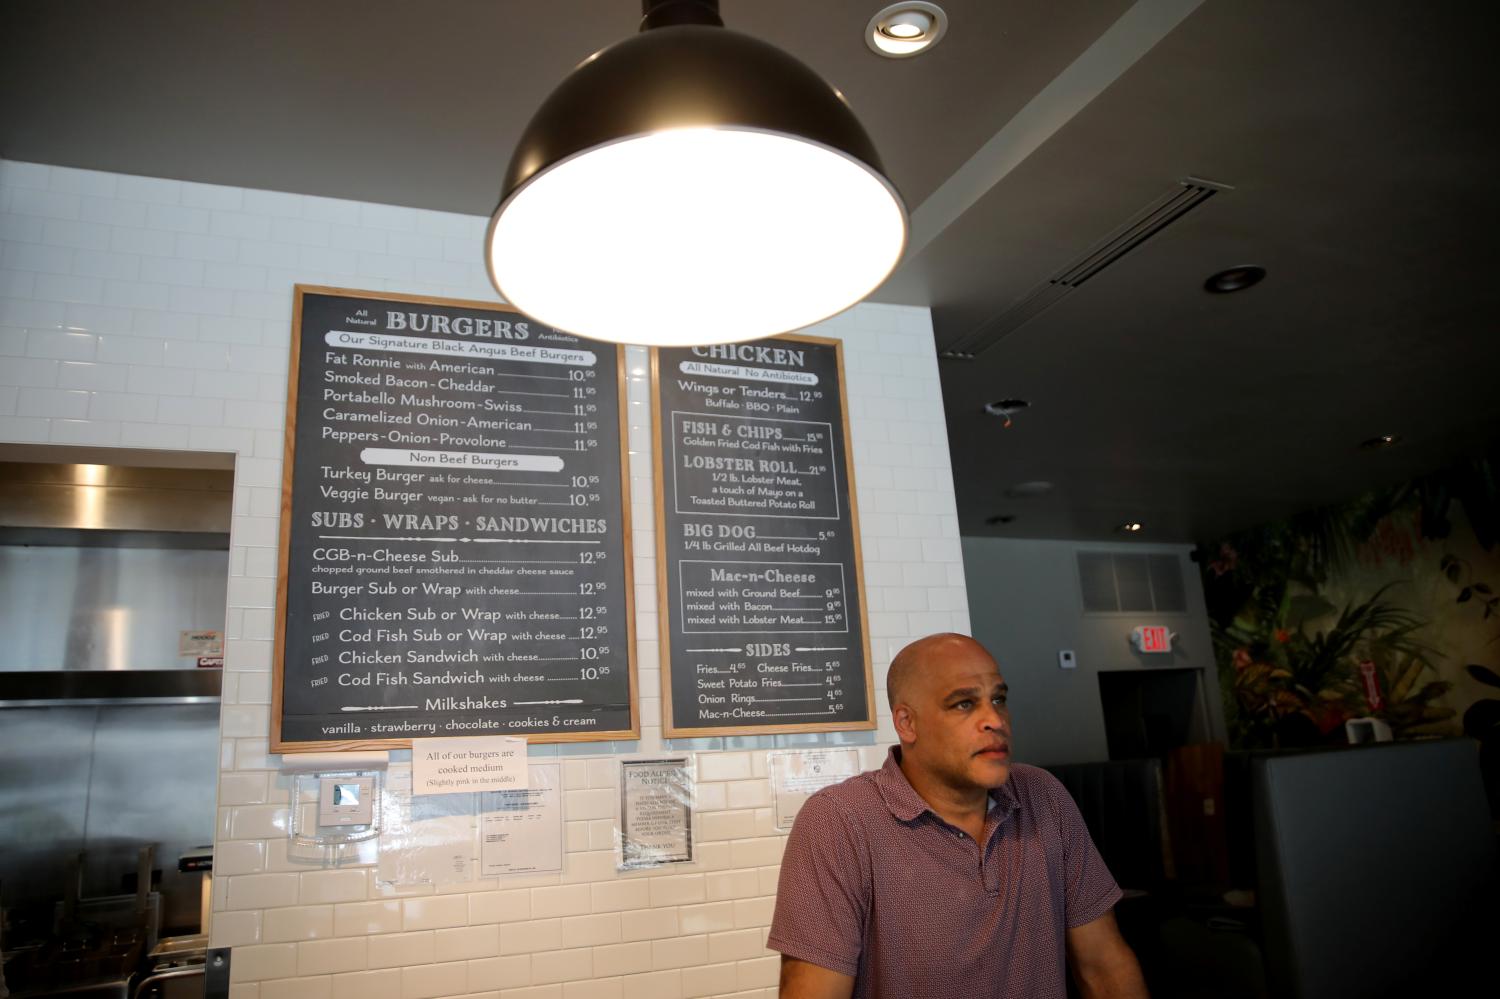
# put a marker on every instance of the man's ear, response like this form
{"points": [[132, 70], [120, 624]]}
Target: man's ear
{"points": [[905, 720]]}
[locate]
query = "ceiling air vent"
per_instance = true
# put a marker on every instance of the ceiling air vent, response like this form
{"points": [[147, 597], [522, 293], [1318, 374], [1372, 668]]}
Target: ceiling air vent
{"points": [[1115, 582], [1171, 206]]}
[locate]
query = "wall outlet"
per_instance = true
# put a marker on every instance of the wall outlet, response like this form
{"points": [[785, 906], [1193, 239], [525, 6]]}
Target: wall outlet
{"points": [[1066, 659]]}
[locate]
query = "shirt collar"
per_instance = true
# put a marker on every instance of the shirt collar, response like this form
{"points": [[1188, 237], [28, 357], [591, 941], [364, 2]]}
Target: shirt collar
{"points": [[906, 804]]}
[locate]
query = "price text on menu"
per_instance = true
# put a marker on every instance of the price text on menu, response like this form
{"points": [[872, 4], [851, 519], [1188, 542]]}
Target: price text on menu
{"points": [[455, 540], [760, 593]]}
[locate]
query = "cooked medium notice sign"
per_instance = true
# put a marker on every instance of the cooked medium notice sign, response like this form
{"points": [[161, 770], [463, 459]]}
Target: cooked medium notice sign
{"points": [[761, 605], [455, 554], [478, 763]]}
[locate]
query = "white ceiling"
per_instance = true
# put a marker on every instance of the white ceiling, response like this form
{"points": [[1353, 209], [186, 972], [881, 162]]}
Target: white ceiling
{"points": [[1357, 137]]}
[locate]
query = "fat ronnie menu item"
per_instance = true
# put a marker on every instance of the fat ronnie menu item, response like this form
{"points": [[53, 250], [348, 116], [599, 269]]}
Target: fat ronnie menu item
{"points": [[760, 594], [455, 540]]}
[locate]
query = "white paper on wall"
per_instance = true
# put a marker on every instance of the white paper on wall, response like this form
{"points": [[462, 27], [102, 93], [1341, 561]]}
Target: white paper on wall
{"points": [[796, 774], [200, 643], [473, 764], [521, 832]]}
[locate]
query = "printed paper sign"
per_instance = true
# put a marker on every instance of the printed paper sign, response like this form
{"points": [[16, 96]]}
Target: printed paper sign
{"points": [[797, 774], [200, 643], [454, 766], [521, 832]]}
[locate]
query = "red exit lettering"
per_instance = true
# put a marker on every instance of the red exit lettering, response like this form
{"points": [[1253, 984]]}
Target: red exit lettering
{"points": [[1152, 638]]}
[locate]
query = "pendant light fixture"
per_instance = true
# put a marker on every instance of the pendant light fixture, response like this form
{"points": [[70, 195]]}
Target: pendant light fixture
{"points": [[692, 185]]}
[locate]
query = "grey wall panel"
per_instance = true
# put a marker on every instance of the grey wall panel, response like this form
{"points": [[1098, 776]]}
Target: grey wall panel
{"points": [[1026, 604]]}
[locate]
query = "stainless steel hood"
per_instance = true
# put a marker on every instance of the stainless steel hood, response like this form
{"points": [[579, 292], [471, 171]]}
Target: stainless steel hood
{"points": [[114, 569], [42, 688], [94, 504], [104, 566]]}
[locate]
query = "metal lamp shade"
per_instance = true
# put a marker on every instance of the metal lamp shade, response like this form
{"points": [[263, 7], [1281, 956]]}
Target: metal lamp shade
{"points": [[693, 185]]}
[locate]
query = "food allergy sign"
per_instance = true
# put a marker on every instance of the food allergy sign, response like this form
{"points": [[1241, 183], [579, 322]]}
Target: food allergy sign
{"points": [[760, 589], [455, 531]]}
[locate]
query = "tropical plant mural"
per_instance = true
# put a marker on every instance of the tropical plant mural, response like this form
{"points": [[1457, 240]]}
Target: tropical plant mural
{"points": [[1386, 607]]}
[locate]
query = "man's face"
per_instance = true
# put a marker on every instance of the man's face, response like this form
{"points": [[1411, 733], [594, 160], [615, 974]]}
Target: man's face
{"points": [[960, 719]]}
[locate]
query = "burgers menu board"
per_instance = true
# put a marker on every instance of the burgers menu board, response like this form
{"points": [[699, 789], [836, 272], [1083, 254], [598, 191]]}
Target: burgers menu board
{"points": [[455, 556], [760, 594]]}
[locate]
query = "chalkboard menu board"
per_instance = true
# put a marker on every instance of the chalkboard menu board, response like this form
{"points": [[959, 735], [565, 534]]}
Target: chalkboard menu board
{"points": [[455, 536], [761, 600]]}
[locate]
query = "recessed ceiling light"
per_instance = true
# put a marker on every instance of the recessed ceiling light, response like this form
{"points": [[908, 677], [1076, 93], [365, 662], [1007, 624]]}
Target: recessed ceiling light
{"points": [[1024, 490], [1381, 442], [1130, 527], [1006, 407], [905, 29], [1234, 279]]}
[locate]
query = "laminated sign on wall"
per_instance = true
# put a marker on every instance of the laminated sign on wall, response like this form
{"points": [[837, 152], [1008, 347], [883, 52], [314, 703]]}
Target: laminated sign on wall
{"points": [[437, 839], [656, 812], [796, 774]]}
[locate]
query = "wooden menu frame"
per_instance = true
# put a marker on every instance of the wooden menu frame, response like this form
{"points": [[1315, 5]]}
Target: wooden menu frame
{"points": [[277, 743], [664, 602]]}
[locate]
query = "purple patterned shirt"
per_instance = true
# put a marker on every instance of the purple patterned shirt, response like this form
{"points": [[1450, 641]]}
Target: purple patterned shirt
{"points": [[875, 885]]}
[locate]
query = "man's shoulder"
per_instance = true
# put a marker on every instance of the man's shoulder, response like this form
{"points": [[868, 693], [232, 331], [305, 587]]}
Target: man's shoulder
{"points": [[853, 794], [1034, 785], [1035, 780], [848, 804]]}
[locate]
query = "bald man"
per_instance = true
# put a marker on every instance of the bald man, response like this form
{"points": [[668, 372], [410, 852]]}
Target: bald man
{"points": [[950, 872]]}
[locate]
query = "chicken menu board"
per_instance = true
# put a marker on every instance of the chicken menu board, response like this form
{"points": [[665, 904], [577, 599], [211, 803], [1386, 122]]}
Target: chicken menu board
{"points": [[455, 539], [760, 590]]}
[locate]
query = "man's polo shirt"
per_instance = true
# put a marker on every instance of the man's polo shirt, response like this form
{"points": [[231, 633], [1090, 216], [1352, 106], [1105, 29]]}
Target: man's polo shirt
{"points": [[875, 885]]}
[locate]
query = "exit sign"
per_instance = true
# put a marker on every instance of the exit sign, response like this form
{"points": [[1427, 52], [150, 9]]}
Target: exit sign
{"points": [[1152, 638]]}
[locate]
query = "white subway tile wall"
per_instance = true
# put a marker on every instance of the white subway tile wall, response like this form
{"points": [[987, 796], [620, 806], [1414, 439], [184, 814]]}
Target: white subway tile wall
{"points": [[154, 313]]}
